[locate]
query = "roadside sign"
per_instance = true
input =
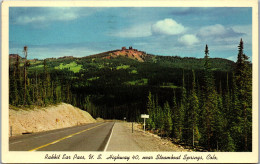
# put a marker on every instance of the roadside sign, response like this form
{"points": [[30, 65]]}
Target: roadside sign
{"points": [[144, 116]]}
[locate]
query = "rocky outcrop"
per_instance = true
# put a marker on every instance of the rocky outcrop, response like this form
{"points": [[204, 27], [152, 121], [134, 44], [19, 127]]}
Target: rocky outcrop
{"points": [[129, 53]]}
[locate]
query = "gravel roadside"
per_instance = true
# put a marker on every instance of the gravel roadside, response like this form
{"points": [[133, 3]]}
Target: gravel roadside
{"points": [[122, 139]]}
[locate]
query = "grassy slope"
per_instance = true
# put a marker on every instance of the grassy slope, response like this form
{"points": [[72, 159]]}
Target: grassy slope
{"points": [[73, 66]]}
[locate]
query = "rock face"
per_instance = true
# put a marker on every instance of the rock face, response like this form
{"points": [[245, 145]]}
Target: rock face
{"points": [[49, 118], [129, 53]]}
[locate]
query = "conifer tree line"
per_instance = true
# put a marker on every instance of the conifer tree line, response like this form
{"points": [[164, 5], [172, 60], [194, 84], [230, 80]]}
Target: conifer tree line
{"points": [[38, 87], [206, 116]]}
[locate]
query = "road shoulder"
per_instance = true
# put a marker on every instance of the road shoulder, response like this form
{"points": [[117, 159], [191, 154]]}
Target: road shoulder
{"points": [[123, 139]]}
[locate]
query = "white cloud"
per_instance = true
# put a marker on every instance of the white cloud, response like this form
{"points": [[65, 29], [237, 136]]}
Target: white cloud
{"points": [[247, 30], [188, 39], [212, 30], [142, 30], [243, 29], [162, 27], [168, 27], [49, 14], [217, 30], [27, 19], [60, 14], [224, 38]]}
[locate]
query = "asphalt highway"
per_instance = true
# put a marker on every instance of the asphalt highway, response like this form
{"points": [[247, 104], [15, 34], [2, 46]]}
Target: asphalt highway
{"points": [[89, 137]]}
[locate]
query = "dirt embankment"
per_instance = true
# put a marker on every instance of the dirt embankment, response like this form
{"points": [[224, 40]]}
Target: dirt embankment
{"points": [[48, 118]]}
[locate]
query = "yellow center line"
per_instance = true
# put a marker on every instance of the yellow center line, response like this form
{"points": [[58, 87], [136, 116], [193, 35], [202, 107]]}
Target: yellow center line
{"points": [[65, 137]]}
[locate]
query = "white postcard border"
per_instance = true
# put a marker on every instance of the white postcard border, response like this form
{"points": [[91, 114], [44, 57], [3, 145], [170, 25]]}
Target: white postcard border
{"points": [[38, 157]]}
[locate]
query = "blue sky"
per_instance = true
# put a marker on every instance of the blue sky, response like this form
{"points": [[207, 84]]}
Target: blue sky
{"points": [[82, 31]]}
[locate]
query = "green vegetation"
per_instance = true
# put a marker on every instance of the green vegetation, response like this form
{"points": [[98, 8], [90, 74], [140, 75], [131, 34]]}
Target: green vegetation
{"points": [[73, 66], [137, 82], [123, 67], [35, 62], [93, 78], [134, 71], [39, 66], [208, 116], [169, 85]]}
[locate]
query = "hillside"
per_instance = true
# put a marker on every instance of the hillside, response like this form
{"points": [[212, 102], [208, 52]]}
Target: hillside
{"points": [[113, 83], [48, 118]]}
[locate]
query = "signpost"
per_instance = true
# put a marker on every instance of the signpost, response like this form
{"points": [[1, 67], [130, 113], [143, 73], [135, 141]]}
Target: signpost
{"points": [[144, 116], [132, 127]]}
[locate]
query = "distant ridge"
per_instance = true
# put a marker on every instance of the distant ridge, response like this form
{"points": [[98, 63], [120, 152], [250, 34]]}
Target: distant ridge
{"points": [[142, 56]]}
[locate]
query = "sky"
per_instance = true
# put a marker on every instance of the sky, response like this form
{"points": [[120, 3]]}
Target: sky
{"points": [[169, 31]]}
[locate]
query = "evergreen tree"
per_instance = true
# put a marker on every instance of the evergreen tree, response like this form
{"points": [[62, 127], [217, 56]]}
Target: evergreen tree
{"points": [[227, 100], [184, 112], [157, 114], [37, 94], [19, 81], [13, 87], [210, 100], [176, 120], [193, 108], [167, 119], [26, 96], [160, 116], [152, 114], [243, 80], [150, 110], [44, 81], [179, 118]]}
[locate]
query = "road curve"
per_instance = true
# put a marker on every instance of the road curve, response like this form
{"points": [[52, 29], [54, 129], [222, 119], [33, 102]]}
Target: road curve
{"points": [[89, 137]]}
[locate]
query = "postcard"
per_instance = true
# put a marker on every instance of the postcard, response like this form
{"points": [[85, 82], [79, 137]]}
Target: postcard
{"points": [[130, 81]]}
